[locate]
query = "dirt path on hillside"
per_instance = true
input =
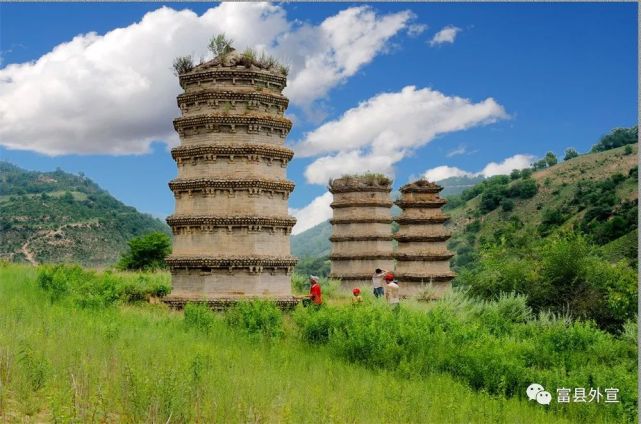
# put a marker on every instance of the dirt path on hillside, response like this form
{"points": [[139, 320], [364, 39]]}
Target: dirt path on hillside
{"points": [[28, 254]]}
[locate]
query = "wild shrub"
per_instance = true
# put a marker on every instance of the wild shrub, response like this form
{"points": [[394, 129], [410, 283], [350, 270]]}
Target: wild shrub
{"points": [[256, 317], [90, 289], [199, 317]]}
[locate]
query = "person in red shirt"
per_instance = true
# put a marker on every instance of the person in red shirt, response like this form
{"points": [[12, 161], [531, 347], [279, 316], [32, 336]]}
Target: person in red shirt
{"points": [[315, 291]]}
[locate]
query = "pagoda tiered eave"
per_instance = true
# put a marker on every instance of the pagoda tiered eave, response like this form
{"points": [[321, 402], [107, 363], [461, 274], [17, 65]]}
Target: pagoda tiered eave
{"points": [[360, 221], [355, 204], [231, 221], [254, 263], [251, 95], [335, 238], [423, 256], [237, 75], [361, 256], [427, 204], [231, 184], [438, 219], [231, 150], [213, 122], [408, 238]]}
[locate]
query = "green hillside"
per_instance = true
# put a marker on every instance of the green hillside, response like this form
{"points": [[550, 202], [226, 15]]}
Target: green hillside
{"points": [[313, 242], [593, 194], [61, 217]]}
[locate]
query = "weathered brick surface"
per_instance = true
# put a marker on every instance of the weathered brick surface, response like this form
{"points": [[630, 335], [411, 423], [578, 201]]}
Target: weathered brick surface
{"points": [[422, 258], [247, 255]]}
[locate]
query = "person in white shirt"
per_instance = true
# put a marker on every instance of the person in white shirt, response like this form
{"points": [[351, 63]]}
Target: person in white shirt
{"points": [[377, 282], [392, 294]]}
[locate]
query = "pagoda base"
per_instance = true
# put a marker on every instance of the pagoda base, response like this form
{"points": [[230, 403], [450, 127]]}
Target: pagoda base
{"points": [[285, 303], [216, 283], [428, 291]]}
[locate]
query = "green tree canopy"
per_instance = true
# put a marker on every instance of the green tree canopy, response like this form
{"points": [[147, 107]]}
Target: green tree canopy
{"points": [[570, 153], [146, 252]]}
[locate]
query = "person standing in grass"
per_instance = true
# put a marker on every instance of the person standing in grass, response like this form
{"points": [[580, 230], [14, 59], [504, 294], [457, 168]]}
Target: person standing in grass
{"points": [[377, 282], [315, 294], [357, 299], [392, 292]]}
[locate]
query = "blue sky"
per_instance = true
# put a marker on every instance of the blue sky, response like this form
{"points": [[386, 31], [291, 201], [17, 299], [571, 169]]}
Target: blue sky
{"points": [[515, 79]]}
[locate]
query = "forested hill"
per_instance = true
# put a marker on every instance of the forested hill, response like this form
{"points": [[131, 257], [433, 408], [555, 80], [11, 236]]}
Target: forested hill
{"points": [[61, 217], [594, 195]]}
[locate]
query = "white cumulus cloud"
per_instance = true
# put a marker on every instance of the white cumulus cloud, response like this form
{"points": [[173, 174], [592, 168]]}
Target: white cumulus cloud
{"points": [[519, 161], [442, 172], [326, 55], [313, 214], [116, 93], [446, 35], [384, 129]]}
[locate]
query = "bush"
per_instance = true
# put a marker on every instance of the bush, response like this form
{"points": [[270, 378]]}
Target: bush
{"points": [[91, 289], [147, 252], [523, 189], [570, 153], [256, 317], [494, 346], [507, 205], [182, 65], [561, 273], [550, 159], [199, 317]]}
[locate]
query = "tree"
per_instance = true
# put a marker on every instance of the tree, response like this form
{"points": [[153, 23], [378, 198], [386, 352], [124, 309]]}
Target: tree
{"points": [[146, 252], [627, 150], [550, 159], [526, 173], [540, 164], [515, 174], [616, 138], [570, 153], [507, 205]]}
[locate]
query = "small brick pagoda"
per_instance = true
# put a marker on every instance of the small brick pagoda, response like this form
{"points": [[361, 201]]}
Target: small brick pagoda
{"points": [[361, 228], [422, 258], [231, 226]]}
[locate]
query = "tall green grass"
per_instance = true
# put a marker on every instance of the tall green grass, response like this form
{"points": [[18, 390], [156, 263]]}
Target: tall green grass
{"points": [[495, 347], [63, 362]]}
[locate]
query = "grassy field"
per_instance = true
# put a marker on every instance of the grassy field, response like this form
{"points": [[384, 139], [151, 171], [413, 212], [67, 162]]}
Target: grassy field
{"points": [[60, 362]]}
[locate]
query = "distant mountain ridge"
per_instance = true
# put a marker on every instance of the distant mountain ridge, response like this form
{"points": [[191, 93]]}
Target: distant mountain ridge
{"points": [[60, 217]]}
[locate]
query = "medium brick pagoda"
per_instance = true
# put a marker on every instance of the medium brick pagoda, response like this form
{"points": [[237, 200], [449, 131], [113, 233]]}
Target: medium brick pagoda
{"points": [[422, 258], [231, 226], [361, 228]]}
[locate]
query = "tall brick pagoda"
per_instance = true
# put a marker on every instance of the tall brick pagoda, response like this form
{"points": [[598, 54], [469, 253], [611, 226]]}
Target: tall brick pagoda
{"points": [[422, 258], [231, 226], [361, 228]]}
